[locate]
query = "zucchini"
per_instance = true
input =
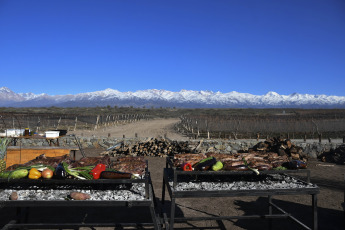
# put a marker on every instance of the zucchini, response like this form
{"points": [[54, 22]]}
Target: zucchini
{"points": [[18, 174], [5, 174]]}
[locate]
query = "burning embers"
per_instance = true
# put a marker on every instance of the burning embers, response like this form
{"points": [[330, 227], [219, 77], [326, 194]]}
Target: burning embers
{"points": [[135, 192], [236, 182]]}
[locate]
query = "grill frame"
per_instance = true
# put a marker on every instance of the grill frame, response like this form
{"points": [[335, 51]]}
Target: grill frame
{"points": [[100, 184], [171, 173]]}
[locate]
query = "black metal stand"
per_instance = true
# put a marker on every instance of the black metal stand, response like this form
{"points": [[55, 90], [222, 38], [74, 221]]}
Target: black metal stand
{"points": [[23, 207], [171, 174]]}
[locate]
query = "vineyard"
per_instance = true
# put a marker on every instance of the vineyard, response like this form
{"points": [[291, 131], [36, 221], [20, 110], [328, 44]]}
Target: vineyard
{"points": [[55, 119], [195, 123], [299, 124]]}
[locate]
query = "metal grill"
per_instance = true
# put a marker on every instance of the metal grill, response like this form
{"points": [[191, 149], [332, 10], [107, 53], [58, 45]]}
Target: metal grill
{"points": [[71, 184], [173, 176]]}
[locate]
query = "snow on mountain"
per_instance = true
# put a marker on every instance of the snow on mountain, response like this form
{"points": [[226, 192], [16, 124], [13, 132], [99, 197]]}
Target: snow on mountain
{"points": [[165, 98]]}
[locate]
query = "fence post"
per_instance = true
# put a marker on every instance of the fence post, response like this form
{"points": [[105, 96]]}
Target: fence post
{"points": [[305, 137], [320, 137], [344, 139], [75, 125]]}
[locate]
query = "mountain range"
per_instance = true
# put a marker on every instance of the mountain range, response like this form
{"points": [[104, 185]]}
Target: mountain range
{"points": [[164, 98]]}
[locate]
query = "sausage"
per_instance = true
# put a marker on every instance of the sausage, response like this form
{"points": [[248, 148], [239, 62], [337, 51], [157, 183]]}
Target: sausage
{"points": [[236, 168], [263, 167], [115, 175]]}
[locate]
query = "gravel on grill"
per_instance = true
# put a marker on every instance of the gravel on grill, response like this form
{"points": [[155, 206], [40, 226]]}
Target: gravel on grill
{"points": [[136, 192], [275, 181]]}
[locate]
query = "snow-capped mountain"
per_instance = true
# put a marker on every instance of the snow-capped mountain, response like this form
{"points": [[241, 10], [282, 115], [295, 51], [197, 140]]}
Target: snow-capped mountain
{"points": [[164, 98]]}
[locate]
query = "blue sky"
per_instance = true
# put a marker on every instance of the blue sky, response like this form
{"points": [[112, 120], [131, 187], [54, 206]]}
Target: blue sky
{"points": [[249, 46]]}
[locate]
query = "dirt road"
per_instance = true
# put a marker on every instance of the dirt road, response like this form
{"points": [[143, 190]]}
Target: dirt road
{"points": [[144, 128]]}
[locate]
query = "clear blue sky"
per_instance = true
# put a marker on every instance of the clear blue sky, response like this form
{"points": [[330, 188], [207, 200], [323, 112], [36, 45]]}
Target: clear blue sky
{"points": [[249, 46]]}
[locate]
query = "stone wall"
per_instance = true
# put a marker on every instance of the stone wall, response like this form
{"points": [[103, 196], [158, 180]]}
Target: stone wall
{"points": [[311, 148]]}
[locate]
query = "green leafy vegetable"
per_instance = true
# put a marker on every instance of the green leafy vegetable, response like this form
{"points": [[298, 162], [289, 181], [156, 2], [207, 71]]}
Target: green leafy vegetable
{"points": [[254, 170]]}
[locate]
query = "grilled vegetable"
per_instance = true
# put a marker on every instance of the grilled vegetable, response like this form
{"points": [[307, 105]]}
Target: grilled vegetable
{"points": [[39, 167], [85, 174], [18, 174], [254, 170], [5, 174], [205, 164], [47, 173], [60, 172], [97, 170], [34, 174], [187, 167], [217, 166], [115, 175], [297, 164]]}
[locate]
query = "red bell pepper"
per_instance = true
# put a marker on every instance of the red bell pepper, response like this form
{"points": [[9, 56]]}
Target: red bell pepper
{"points": [[96, 171], [187, 167]]}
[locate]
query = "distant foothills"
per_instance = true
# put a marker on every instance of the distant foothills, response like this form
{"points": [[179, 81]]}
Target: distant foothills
{"points": [[163, 98]]}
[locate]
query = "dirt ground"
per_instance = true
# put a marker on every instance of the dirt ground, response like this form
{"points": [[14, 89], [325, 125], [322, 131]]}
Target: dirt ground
{"points": [[144, 128], [329, 177]]}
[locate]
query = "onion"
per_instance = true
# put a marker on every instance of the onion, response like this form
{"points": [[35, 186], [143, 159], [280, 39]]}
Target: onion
{"points": [[47, 173]]}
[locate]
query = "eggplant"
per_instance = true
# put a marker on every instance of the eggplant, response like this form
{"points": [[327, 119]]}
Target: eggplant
{"points": [[60, 172], [296, 164], [205, 164]]}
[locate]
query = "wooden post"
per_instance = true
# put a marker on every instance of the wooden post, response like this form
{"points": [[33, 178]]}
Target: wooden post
{"points": [[136, 135], [305, 137], [108, 134], [329, 140], [75, 125], [57, 126], [320, 137], [38, 124], [344, 139], [124, 136], [97, 120]]}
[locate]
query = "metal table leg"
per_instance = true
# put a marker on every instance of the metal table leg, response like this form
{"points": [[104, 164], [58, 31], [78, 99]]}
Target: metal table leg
{"points": [[172, 214], [314, 201], [163, 192], [270, 211]]}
